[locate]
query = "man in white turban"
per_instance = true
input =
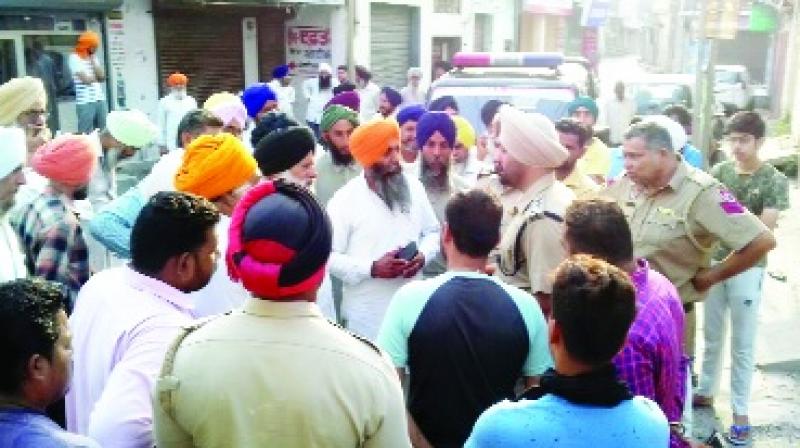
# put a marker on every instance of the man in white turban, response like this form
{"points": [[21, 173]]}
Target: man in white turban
{"points": [[12, 160], [527, 152], [125, 133]]}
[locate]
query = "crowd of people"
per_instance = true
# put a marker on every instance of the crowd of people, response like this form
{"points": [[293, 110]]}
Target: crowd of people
{"points": [[380, 275]]}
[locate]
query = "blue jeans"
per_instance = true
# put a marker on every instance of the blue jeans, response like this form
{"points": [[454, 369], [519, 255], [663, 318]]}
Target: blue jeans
{"points": [[91, 116]]}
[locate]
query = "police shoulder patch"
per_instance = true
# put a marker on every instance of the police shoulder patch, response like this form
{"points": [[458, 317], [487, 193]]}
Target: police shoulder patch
{"points": [[728, 203]]}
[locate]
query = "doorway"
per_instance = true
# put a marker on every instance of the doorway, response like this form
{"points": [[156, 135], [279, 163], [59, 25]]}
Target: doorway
{"points": [[444, 48], [45, 55]]}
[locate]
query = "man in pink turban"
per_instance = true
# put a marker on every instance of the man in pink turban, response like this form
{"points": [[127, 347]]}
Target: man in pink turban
{"points": [[49, 227], [527, 152]]}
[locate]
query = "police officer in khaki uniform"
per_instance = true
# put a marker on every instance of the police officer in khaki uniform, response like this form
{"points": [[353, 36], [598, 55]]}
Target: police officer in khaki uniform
{"points": [[678, 214], [276, 373], [527, 153]]}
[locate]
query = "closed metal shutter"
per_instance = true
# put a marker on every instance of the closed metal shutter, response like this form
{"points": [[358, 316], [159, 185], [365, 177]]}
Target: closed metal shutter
{"points": [[390, 43], [205, 47], [271, 41]]}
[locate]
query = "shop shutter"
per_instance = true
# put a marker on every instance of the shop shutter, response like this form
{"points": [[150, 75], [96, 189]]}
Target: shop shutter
{"points": [[205, 47], [271, 41], [390, 43]]}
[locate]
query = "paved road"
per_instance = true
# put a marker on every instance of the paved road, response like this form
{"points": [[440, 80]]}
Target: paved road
{"points": [[775, 405]]}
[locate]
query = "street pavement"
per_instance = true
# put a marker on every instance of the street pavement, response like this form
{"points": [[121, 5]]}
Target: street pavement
{"points": [[775, 402]]}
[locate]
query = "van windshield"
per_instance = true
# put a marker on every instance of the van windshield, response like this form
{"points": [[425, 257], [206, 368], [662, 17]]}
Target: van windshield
{"points": [[551, 102], [726, 77]]}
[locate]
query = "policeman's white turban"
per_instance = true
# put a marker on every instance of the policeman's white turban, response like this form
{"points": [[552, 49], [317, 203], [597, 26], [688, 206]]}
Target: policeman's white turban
{"points": [[530, 138]]}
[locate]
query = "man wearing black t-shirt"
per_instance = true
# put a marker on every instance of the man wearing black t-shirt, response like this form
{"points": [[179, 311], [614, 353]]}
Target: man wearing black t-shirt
{"points": [[464, 337]]}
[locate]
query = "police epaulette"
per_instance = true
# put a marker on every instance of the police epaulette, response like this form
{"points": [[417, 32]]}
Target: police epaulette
{"points": [[553, 216], [357, 336]]}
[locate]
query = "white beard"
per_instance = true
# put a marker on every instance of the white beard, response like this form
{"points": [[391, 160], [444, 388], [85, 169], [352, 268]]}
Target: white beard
{"points": [[289, 177]]}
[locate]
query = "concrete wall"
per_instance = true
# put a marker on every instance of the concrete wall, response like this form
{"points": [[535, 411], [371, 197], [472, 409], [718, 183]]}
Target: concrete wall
{"points": [[139, 69], [320, 15], [503, 21]]}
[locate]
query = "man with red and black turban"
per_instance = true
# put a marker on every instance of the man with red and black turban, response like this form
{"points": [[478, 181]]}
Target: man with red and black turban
{"points": [[302, 380]]}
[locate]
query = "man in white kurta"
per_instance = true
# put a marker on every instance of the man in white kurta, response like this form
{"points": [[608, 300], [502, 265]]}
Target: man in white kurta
{"points": [[374, 216], [12, 159], [368, 92], [171, 110], [281, 84], [617, 114]]}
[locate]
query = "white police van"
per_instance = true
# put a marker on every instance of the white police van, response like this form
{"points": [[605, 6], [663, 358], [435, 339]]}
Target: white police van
{"points": [[533, 82]]}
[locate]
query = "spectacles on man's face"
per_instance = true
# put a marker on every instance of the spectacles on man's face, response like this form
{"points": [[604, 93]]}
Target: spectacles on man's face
{"points": [[741, 139], [33, 114]]}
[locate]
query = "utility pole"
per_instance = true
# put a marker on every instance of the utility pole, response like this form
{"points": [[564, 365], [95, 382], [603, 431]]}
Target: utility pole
{"points": [[351, 37], [678, 41], [704, 87]]}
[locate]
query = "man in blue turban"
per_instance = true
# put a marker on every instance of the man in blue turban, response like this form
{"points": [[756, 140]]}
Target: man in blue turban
{"points": [[388, 101], [444, 104], [436, 137], [281, 84], [259, 99], [407, 118]]}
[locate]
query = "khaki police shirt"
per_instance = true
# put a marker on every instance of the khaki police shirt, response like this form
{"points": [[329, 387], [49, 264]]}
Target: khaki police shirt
{"points": [[676, 227], [278, 375], [541, 240]]}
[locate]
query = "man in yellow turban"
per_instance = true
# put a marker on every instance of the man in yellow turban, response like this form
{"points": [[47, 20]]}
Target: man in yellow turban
{"points": [[384, 228], [220, 169], [466, 165], [23, 103]]}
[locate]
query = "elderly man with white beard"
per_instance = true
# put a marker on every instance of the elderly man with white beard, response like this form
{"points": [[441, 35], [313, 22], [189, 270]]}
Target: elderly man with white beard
{"points": [[384, 228]]}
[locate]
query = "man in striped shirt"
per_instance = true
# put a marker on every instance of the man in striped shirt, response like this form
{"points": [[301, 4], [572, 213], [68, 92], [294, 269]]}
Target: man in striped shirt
{"points": [[88, 76]]}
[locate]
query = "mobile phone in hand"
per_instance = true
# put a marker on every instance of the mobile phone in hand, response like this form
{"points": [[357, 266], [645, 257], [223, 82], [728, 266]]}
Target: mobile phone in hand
{"points": [[407, 253]]}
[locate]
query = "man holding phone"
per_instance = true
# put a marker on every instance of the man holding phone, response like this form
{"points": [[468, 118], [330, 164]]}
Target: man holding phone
{"points": [[384, 228]]}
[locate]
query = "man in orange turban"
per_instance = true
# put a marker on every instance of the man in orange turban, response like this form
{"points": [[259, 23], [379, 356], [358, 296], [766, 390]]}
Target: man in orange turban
{"points": [[49, 226], [220, 169], [384, 229], [171, 110], [214, 167], [89, 78]]}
